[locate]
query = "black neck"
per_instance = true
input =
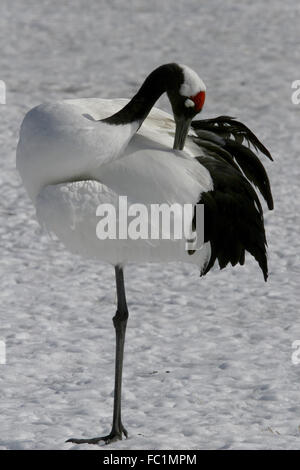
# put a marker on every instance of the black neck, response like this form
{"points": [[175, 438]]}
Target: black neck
{"points": [[160, 80]]}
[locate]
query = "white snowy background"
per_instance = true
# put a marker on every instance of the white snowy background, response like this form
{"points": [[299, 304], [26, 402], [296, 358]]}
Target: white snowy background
{"points": [[207, 361]]}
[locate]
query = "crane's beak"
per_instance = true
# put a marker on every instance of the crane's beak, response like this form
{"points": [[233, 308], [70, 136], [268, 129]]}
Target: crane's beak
{"points": [[182, 128]]}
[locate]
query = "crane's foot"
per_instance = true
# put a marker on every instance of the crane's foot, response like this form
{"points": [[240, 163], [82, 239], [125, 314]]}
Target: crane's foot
{"points": [[115, 435]]}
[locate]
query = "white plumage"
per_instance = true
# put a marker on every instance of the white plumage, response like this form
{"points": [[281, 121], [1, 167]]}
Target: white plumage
{"points": [[70, 163]]}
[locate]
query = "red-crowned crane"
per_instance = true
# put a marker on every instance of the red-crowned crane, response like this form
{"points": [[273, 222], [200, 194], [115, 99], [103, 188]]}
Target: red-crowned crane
{"points": [[77, 154]]}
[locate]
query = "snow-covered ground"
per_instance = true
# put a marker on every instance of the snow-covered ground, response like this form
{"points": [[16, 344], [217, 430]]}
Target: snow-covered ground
{"points": [[208, 361]]}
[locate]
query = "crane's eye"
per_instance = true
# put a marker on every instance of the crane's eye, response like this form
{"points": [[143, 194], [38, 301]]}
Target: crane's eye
{"points": [[189, 103]]}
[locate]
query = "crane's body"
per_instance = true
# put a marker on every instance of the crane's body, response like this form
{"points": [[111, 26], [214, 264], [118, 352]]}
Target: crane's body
{"points": [[71, 164]]}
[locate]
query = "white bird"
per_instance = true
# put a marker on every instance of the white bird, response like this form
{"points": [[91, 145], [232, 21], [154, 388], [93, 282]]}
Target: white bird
{"points": [[78, 155]]}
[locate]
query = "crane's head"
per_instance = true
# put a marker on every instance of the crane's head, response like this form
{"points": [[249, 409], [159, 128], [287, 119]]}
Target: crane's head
{"points": [[187, 96]]}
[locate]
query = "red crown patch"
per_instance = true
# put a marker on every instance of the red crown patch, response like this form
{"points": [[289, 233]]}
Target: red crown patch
{"points": [[199, 100]]}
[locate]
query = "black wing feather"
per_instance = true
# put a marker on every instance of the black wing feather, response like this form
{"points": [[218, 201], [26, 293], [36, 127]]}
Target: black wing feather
{"points": [[233, 219], [227, 134], [233, 215], [252, 168], [227, 127]]}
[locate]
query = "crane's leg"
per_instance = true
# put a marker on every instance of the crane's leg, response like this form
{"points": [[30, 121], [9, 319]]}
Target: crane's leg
{"points": [[120, 322]]}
